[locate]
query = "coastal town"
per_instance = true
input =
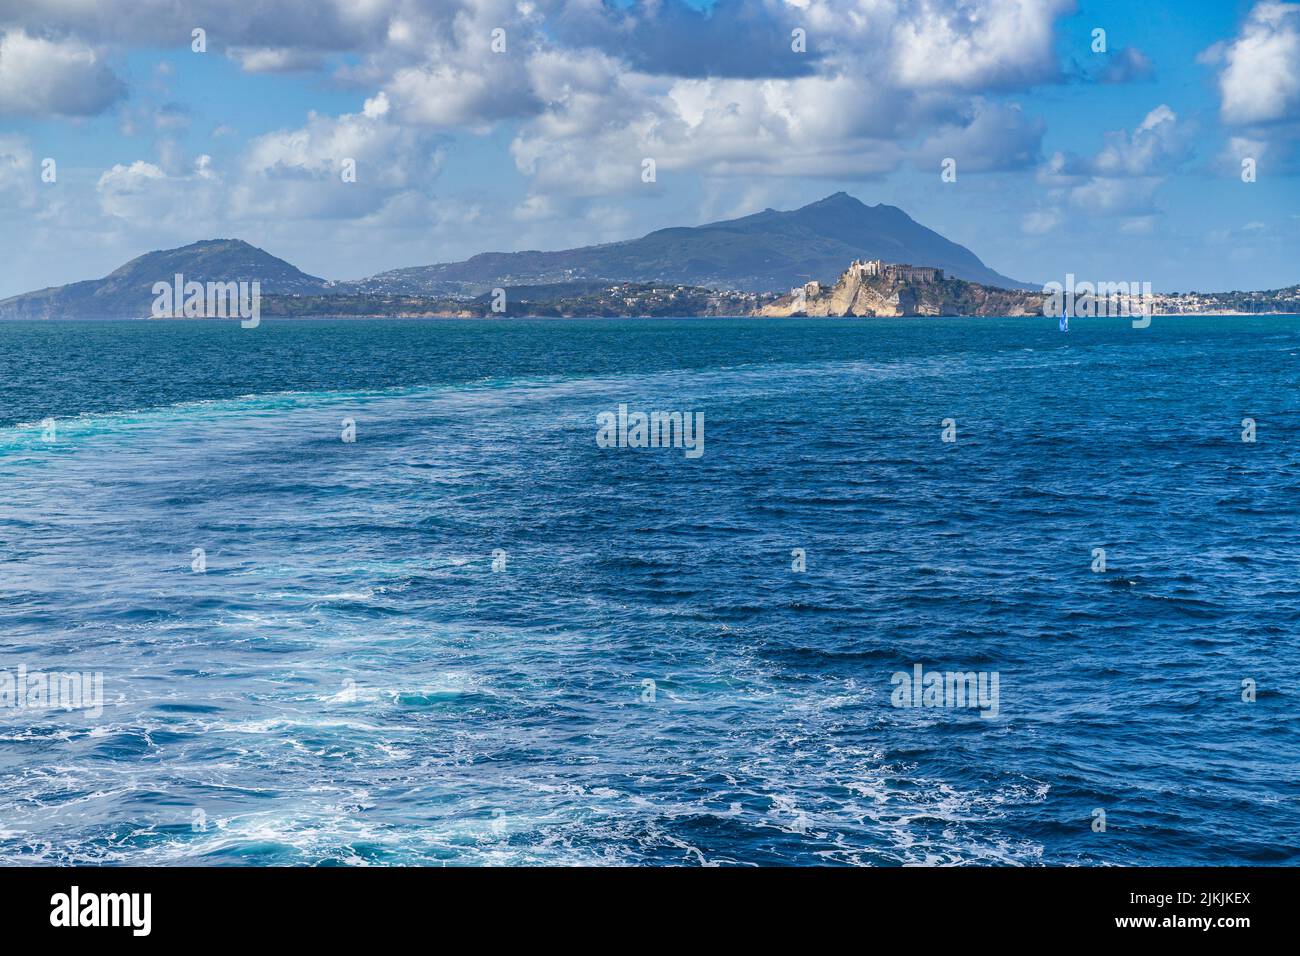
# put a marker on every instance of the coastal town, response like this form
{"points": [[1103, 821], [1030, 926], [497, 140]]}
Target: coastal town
{"points": [[867, 288]]}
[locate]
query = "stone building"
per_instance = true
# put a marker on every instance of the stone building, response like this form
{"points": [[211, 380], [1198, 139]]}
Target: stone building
{"points": [[896, 271]]}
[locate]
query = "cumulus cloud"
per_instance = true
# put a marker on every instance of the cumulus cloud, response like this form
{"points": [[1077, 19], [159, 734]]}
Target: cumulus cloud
{"points": [[990, 137], [880, 91], [43, 77], [732, 38], [1155, 146], [462, 64], [595, 88], [594, 138], [1122, 178], [274, 59], [1237, 149], [977, 46], [124, 189], [445, 95], [144, 193], [321, 25], [1125, 65], [1260, 77], [1108, 196], [300, 173], [721, 90]]}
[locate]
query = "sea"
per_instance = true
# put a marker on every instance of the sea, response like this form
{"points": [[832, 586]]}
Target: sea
{"points": [[934, 591]]}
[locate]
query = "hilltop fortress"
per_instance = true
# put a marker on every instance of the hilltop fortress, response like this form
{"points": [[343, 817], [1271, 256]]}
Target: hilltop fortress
{"points": [[872, 287], [896, 271]]}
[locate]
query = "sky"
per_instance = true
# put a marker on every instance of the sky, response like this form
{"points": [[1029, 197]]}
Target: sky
{"points": [[483, 125]]}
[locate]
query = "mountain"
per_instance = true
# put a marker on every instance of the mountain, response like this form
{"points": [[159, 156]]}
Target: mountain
{"points": [[765, 252], [127, 292], [769, 251]]}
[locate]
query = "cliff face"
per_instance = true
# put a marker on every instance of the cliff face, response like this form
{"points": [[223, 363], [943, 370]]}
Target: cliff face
{"points": [[858, 293]]}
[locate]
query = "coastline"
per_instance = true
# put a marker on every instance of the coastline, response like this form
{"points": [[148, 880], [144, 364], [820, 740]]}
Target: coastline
{"points": [[464, 316]]}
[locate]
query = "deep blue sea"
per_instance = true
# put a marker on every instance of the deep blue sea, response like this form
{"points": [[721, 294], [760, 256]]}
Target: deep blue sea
{"points": [[350, 681]]}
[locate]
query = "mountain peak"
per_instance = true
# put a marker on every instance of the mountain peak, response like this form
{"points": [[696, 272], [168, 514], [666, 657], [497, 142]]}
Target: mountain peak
{"points": [[127, 291], [234, 243], [837, 200], [762, 252]]}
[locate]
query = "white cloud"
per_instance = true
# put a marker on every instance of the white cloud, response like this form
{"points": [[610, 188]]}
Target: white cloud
{"points": [[1126, 65], [1109, 196], [976, 46], [40, 77], [1238, 148], [991, 136], [446, 96], [592, 142], [1157, 144], [376, 106], [1041, 221], [598, 87], [1138, 225], [151, 194], [301, 25], [127, 191], [887, 73], [299, 173], [1260, 79], [276, 59], [1122, 178], [602, 121]]}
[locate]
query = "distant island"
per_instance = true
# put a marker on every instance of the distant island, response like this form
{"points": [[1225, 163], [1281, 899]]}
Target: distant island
{"points": [[834, 257], [767, 252], [872, 289]]}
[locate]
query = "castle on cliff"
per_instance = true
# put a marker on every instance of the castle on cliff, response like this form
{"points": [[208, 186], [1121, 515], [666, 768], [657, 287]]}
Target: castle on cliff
{"points": [[896, 271], [862, 269]]}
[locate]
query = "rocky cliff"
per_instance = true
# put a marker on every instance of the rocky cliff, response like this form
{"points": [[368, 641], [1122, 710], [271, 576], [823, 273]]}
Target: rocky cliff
{"points": [[859, 293]]}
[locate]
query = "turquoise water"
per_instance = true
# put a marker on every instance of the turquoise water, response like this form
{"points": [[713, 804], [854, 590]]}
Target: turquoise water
{"points": [[350, 681]]}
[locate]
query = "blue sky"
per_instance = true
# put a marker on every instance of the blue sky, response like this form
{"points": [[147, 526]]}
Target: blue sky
{"points": [[1124, 164]]}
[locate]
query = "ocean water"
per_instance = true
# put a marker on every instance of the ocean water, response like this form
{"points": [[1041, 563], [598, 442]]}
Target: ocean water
{"points": [[351, 682]]}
